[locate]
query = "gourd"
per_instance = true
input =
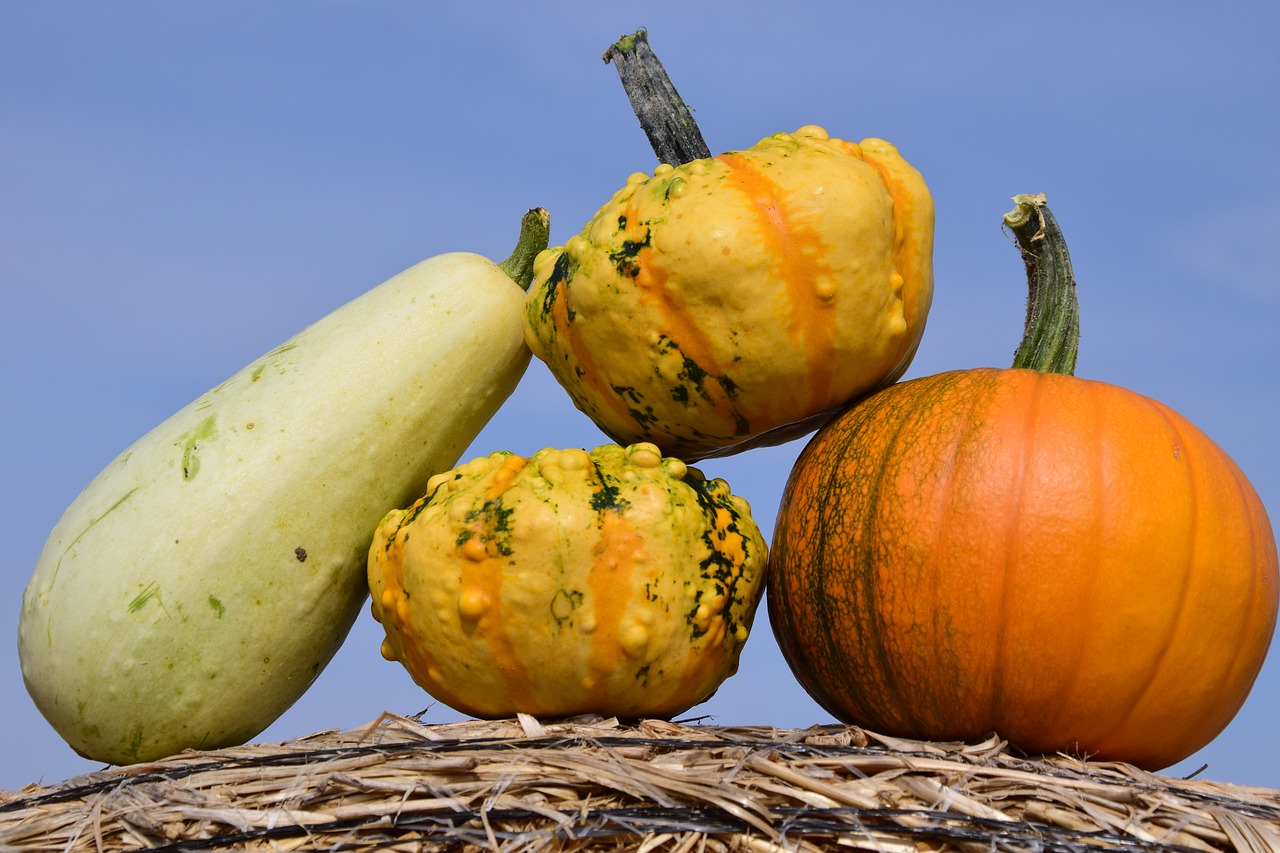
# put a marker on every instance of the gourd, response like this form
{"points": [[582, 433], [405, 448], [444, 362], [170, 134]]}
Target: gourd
{"points": [[714, 304], [615, 582], [199, 584], [1062, 561]]}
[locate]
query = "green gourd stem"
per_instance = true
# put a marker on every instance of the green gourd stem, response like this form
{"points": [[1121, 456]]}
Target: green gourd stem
{"points": [[665, 117], [1051, 337], [535, 231]]}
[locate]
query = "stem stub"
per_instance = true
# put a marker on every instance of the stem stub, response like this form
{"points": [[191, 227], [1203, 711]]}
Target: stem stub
{"points": [[665, 117], [1051, 336]]}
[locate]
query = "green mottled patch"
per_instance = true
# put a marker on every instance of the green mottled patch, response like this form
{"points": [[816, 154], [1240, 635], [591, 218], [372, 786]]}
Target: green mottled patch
{"points": [[190, 442], [421, 504], [694, 381], [563, 604], [270, 359], [627, 392], [608, 496], [149, 592], [625, 258], [693, 372], [724, 572], [561, 273], [691, 617], [217, 606], [135, 742], [492, 523], [644, 417]]}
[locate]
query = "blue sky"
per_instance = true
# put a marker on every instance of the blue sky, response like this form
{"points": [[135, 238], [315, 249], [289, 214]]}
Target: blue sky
{"points": [[185, 185]]}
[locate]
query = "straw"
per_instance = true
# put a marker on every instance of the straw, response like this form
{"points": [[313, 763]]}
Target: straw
{"points": [[598, 784]]}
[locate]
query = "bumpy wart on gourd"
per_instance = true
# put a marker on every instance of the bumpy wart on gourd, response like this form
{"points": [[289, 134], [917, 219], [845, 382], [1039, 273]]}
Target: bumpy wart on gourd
{"points": [[615, 581], [730, 296]]}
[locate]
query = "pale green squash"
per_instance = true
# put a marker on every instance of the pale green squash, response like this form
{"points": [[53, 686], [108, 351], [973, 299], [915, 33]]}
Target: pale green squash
{"points": [[198, 585]]}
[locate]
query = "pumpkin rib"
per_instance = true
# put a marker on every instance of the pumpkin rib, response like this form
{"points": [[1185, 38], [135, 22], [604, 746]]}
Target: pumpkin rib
{"points": [[887, 665], [806, 495], [1090, 403], [822, 606], [1012, 535], [1260, 524], [1062, 706], [1240, 490], [939, 528], [1240, 663], [1154, 673]]}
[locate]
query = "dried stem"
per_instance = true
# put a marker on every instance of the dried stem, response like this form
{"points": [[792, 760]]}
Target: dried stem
{"points": [[665, 117]]}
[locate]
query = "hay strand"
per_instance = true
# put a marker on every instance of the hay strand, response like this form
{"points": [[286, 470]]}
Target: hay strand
{"points": [[596, 784]]}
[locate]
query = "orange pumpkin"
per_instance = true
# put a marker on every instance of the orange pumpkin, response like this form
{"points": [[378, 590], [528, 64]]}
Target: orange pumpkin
{"points": [[1064, 562]]}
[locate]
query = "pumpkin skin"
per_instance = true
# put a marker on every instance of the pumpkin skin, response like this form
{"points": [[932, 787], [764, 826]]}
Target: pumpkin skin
{"points": [[1065, 562], [709, 307], [614, 582]]}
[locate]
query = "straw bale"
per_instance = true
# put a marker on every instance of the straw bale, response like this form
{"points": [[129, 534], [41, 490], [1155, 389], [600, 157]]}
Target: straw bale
{"points": [[597, 784]]}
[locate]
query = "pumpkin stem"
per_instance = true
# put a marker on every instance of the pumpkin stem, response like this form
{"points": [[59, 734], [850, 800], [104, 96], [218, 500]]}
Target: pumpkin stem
{"points": [[666, 119], [1051, 337], [535, 231]]}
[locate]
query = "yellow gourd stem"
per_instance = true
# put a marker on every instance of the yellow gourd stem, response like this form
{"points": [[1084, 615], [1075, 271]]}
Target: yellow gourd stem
{"points": [[1051, 337], [535, 233], [666, 119]]}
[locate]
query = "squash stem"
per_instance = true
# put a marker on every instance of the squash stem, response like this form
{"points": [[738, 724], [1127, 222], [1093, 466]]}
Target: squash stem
{"points": [[1051, 336], [665, 117], [535, 231]]}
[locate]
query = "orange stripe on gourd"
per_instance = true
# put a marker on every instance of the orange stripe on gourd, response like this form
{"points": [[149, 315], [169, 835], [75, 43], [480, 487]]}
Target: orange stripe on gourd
{"points": [[480, 600], [593, 388], [799, 251], [680, 327], [611, 584], [913, 240], [391, 606]]}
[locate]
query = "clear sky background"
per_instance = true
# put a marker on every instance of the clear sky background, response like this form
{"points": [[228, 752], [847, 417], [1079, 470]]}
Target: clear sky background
{"points": [[184, 185]]}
